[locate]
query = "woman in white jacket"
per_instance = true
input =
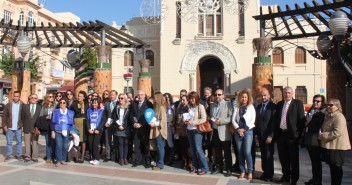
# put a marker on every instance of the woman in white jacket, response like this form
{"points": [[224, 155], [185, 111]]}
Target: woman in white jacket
{"points": [[243, 120]]}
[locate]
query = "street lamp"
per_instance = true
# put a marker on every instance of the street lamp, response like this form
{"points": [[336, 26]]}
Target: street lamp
{"points": [[127, 77], [329, 48], [23, 46]]}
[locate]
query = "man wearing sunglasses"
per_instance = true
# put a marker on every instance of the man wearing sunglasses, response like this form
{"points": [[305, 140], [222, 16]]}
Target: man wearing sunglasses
{"points": [[30, 113], [220, 118], [13, 123]]}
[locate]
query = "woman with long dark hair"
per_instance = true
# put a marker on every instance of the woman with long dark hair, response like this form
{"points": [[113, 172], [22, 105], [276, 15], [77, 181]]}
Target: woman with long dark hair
{"points": [[80, 107], [315, 118], [94, 124], [169, 104], [196, 116]]}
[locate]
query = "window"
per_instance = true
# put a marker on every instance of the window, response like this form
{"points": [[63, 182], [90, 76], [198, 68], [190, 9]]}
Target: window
{"points": [[300, 55], [7, 16], [210, 20], [21, 18], [178, 19], [278, 56], [128, 58], [30, 18], [301, 93], [241, 20], [150, 55]]}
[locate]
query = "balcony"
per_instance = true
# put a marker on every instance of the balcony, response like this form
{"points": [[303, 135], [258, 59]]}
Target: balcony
{"points": [[57, 73]]}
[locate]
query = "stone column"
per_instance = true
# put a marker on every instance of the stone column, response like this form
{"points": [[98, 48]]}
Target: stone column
{"points": [[262, 69], [145, 78], [102, 73], [192, 81], [227, 87]]}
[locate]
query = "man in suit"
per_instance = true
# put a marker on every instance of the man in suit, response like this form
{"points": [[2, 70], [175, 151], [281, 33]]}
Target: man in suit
{"points": [[220, 118], [108, 131], [141, 129], [12, 122], [264, 133], [30, 113], [289, 123]]}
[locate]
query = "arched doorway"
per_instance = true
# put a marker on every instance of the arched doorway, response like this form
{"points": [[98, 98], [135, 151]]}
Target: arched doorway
{"points": [[210, 73]]}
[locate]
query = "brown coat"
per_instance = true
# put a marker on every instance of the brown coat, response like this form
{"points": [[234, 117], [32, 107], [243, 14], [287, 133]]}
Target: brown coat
{"points": [[7, 116], [335, 133], [162, 129]]}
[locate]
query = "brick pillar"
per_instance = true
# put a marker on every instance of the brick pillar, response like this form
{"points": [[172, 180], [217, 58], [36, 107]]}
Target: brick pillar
{"points": [[262, 69], [145, 78], [26, 83], [102, 73], [81, 84]]}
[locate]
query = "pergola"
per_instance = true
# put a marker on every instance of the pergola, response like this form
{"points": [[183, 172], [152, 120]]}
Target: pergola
{"points": [[321, 12], [294, 23], [90, 34]]}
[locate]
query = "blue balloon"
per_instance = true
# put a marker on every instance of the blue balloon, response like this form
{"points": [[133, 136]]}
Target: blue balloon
{"points": [[149, 114]]}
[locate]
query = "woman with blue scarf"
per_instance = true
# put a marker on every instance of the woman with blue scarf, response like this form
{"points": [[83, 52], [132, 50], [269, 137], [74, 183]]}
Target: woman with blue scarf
{"points": [[243, 121], [62, 122], [94, 124]]}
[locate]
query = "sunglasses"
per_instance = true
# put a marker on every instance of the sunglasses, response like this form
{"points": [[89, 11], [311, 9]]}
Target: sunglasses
{"points": [[59, 96], [50, 96], [318, 101], [69, 94], [121, 98], [330, 105], [218, 94], [106, 94], [62, 103], [34, 98]]}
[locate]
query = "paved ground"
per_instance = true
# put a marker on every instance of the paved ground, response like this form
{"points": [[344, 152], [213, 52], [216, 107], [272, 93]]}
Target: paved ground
{"points": [[19, 173]]}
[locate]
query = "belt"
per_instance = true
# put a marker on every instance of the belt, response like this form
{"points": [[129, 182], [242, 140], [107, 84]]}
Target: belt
{"points": [[284, 130]]}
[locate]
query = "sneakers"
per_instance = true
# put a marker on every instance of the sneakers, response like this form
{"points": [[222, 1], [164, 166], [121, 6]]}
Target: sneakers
{"points": [[91, 162], [95, 162]]}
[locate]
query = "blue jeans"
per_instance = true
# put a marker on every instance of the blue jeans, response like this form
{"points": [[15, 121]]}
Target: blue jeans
{"points": [[9, 138], [195, 141], [160, 143], [61, 147], [170, 141], [244, 145], [50, 146]]}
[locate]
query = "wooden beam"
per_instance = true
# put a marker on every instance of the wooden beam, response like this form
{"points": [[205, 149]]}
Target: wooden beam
{"points": [[299, 36], [285, 22], [55, 34], [273, 22], [311, 23], [318, 16], [296, 21], [5, 32], [345, 3]]}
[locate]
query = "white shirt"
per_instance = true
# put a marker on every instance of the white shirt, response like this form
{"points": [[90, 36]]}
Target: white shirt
{"points": [[249, 116], [282, 112], [192, 113]]}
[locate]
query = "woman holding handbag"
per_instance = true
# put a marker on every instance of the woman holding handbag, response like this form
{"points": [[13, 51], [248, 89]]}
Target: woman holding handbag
{"points": [[196, 116]]}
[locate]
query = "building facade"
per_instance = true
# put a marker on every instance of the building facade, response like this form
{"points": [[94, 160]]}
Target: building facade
{"points": [[52, 74], [215, 50]]}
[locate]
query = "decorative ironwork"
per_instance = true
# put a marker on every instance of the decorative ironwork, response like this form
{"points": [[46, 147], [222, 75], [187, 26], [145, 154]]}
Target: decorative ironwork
{"points": [[235, 6], [153, 11]]}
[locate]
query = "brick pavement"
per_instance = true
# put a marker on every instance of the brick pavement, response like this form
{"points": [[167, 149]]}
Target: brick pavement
{"points": [[18, 172]]}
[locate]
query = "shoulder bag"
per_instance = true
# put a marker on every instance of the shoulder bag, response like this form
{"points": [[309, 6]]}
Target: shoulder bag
{"points": [[204, 127]]}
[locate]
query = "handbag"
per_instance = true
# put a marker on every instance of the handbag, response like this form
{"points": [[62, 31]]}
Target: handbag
{"points": [[36, 131], [204, 127]]}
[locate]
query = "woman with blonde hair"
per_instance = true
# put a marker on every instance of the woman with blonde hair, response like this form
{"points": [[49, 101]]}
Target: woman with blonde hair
{"points": [[158, 129], [45, 116], [122, 126], [334, 140], [243, 121]]}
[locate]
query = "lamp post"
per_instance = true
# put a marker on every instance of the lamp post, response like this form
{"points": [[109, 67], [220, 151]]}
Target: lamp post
{"points": [[127, 77], [21, 76], [330, 48]]}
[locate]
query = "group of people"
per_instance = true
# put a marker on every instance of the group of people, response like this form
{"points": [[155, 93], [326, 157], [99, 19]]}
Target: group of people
{"points": [[118, 121]]}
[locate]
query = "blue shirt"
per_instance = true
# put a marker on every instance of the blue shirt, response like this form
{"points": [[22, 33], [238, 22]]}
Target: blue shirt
{"points": [[15, 114]]}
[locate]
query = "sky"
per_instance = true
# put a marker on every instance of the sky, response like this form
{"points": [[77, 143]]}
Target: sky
{"points": [[122, 11]]}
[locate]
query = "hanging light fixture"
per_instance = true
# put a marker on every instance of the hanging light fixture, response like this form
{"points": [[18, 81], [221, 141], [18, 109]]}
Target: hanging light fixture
{"points": [[24, 44]]}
